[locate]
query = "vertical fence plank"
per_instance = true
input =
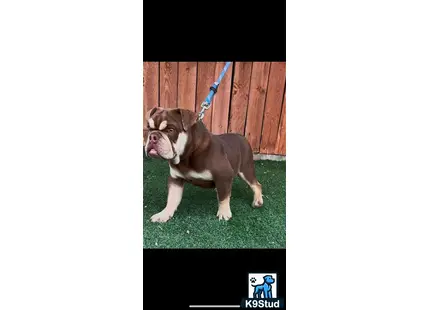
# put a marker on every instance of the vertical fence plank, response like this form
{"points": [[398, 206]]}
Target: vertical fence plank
{"points": [[205, 78], [281, 140], [273, 108], [143, 90], [168, 84], [221, 100], [257, 97], [150, 90], [150, 85], [240, 96], [187, 85], [145, 131]]}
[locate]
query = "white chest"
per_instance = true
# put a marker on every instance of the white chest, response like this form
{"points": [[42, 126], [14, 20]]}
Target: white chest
{"points": [[203, 175]]}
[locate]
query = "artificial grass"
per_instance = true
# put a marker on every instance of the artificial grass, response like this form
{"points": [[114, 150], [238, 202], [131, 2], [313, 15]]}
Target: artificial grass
{"points": [[195, 225]]}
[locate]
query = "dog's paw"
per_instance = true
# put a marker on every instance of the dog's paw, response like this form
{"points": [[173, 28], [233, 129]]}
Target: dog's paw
{"points": [[224, 214], [258, 202], [161, 217]]}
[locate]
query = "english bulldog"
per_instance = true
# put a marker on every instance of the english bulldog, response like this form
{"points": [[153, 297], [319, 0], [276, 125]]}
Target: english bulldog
{"points": [[199, 157]]}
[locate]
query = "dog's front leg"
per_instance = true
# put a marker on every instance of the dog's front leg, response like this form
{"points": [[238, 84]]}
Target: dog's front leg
{"points": [[174, 197], [223, 187]]}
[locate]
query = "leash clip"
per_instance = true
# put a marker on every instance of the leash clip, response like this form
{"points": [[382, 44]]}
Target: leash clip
{"points": [[204, 106]]}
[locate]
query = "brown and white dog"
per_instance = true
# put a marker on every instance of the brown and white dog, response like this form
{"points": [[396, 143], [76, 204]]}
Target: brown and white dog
{"points": [[199, 157]]}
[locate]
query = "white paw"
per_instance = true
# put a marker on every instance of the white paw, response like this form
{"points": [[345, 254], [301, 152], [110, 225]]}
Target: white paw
{"points": [[258, 202], [224, 214], [161, 217]]}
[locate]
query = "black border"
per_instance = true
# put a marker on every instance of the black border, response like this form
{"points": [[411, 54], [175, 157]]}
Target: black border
{"points": [[210, 31], [214, 31], [182, 277]]}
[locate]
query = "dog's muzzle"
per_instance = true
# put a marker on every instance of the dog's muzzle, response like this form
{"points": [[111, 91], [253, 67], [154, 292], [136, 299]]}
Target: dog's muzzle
{"points": [[159, 146]]}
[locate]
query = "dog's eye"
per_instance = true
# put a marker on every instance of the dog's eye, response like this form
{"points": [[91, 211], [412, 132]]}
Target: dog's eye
{"points": [[170, 130]]}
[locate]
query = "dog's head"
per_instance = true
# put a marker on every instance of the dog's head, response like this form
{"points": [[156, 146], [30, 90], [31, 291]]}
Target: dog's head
{"points": [[268, 279], [166, 133]]}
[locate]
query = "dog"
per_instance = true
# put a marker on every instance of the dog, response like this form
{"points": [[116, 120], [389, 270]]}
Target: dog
{"points": [[265, 288], [199, 157]]}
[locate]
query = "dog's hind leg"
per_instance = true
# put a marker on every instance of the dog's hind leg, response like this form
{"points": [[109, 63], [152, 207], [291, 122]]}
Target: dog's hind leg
{"points": [[248, 175], [251, 180], [256, 293]]}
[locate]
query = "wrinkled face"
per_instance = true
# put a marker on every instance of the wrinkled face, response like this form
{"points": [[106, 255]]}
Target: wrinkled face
{"points": [[167, 132]]}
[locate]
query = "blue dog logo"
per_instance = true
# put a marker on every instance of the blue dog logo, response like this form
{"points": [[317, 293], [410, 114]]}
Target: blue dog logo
{"points": [[263, 290]]}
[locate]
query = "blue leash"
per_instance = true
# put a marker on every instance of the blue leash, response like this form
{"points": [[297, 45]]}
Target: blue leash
{"points": [[213, 89]]}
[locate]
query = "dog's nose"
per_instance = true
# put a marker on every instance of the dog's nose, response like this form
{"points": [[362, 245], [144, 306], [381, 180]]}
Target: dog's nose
{"points": [[153, 138]]}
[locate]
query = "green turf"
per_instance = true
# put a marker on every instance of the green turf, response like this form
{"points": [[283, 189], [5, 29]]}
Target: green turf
{"points": [[195, 224]]}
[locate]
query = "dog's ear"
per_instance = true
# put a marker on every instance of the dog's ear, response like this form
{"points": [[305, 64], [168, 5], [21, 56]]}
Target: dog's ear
{"points": [[189, 118], [152, 112]]}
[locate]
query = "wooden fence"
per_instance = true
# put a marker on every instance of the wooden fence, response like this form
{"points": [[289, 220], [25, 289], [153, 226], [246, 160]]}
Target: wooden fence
{"points": [[250, 99]]}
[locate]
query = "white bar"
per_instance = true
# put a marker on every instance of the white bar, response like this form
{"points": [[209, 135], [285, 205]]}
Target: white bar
{"points": [[214, 306]]}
